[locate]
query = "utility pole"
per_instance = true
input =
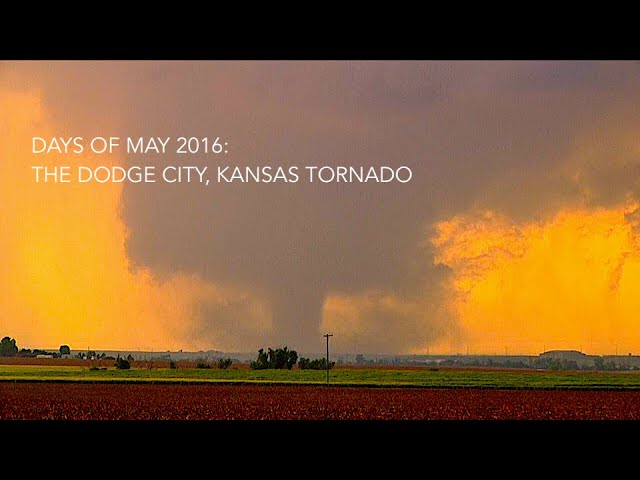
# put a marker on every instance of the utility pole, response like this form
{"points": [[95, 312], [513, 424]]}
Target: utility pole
{"points": [[327, 335]]}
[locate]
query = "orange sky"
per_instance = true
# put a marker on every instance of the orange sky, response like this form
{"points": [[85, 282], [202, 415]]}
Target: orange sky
{"points": [[569, 282], [64, 273]]}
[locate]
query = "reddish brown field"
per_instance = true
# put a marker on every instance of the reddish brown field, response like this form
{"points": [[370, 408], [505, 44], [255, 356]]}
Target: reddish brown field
{"points": [[157, 402]]}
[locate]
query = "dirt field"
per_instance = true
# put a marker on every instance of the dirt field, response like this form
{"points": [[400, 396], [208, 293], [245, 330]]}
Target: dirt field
{"points": [[108, 402]]}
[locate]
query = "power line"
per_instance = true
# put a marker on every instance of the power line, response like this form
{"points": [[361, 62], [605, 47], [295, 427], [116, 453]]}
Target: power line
{"points": [[327, 335]]}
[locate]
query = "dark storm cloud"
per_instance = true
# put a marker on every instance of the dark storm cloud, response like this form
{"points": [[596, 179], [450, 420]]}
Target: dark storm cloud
{"points": [[482, 134]]}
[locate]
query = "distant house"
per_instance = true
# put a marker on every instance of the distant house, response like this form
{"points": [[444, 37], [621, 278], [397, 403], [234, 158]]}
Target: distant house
{"points": [[44, 356]]}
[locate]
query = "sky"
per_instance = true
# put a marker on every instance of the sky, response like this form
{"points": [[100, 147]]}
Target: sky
{"points": [[518, 233]]}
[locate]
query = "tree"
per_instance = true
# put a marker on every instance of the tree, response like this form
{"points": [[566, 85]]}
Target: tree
{"points": [[262, 362], [8, 347], [292, 358], [317, 364], [203, 364], [279, 359], [304, 363], [224, 363], [65, 350], [122, 364]]}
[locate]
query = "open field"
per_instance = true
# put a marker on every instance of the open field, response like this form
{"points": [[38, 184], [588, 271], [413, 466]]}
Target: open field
{"points": [[54, 391], [42, 401], [365, 377]]}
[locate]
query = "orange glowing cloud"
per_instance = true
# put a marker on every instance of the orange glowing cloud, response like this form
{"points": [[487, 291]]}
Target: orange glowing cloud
{"points": [[569, 281], [64, 273]]}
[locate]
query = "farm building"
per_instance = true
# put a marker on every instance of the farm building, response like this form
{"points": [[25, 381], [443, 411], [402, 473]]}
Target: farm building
{"points": [[581, 359]]}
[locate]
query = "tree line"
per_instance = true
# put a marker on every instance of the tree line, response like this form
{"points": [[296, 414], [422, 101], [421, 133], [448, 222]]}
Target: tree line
{"points": [[9, 348], [283, 358], [279, 358]]}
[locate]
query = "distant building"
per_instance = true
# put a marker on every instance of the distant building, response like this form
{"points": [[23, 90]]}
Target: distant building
{"points": [[563, 355], [581, 359], [44, 356]]}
